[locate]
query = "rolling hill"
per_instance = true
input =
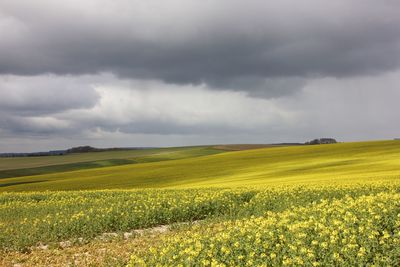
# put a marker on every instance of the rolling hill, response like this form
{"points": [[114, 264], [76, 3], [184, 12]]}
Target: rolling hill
{"points": [[344, 162], [27, 166]]}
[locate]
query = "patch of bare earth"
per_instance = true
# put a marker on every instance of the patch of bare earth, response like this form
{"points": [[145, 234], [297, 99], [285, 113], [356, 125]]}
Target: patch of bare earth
{"points": [[108, 249]]}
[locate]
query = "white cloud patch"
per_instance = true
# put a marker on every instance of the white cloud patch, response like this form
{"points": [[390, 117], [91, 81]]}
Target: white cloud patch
{"points": [[155, 107], [116, 112]]}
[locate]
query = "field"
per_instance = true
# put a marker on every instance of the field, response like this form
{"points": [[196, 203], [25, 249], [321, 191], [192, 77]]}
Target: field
{"points": [[27, 166], [325, 205], [267, 166], [353, 231]]}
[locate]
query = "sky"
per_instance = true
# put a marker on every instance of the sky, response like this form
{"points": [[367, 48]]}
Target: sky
{"points": [[128, 73]]}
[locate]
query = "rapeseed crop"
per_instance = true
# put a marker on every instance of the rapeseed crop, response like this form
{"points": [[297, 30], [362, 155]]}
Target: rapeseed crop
{"points": [[27, 219], [334, 205], [353, 230]]}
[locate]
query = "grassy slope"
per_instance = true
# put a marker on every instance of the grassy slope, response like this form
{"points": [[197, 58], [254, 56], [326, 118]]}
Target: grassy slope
{"points": [[281, 165], [27, 166], [32, 162], [239, 147], [63, 167]]}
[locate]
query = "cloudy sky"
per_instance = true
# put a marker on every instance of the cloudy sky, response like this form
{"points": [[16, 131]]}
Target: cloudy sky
{"points": [[182, 72]]}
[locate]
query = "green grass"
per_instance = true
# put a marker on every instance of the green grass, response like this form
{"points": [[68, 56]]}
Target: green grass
{"points": [[27, 166], [337, 163], [63, 168]]}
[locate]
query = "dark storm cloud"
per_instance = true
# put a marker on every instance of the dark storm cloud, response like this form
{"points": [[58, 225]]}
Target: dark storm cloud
{"points": [[29, 105], [171, 72], [249, 46], [22, 126]]}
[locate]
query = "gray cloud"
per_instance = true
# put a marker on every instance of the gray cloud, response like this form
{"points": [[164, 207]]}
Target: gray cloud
{"points": [[152, 107], [49, 94], [74, 105], [225, 44], [346, 108], [180, 72], [152, 113], [29, 105]]}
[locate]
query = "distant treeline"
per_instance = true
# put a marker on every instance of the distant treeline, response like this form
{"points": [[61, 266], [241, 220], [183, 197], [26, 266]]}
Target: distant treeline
{"points": [[321, 141]]}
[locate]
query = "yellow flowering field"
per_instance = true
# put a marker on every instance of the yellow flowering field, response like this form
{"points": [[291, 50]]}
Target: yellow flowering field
{"points": [[333, 205], [27, 219], [240, 225], [353, 225]]}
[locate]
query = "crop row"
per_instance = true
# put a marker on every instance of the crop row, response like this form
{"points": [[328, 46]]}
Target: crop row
{"points": [[27, 219], [361, 231]]}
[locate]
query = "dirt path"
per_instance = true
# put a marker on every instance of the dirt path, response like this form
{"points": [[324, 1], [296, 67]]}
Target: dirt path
{"points": [[108, 249]]}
